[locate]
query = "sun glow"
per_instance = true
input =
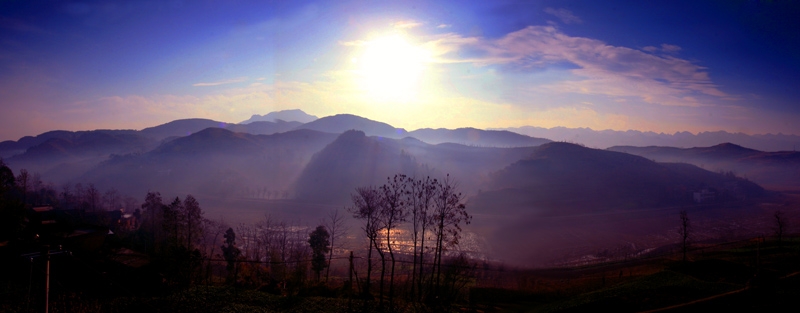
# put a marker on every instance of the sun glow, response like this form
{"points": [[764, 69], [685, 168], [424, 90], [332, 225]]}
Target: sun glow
{"points": [[391, 68]]}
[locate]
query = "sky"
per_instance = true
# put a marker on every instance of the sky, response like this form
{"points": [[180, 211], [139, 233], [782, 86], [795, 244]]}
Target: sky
{"points": [[663, 66]]}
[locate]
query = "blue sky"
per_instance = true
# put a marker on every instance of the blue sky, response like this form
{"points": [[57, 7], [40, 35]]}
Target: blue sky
{"points": [[665, 67]]}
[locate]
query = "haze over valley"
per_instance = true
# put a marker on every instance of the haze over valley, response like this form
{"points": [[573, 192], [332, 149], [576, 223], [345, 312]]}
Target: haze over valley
{"points": [[516, 186], [399, 156]]}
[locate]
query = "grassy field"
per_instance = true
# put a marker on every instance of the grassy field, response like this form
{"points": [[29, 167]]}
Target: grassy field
{"points": [[752, 275]]}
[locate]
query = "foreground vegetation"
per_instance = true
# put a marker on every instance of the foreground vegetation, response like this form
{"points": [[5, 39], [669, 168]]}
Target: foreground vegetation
{"points": [[174, 260], [748, 275]]}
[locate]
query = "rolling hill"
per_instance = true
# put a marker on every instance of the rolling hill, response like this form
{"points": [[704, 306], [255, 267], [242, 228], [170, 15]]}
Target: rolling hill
{"points": [[285, 115], [609, 138], [341, 123], [179, 128], [215, 162], [476, 137], [780, 170]]}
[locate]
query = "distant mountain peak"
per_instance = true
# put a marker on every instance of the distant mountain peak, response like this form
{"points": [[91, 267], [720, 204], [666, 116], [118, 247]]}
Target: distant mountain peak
{"points": [[294, 115], [730, 146], [476, 137], [341, 123]]}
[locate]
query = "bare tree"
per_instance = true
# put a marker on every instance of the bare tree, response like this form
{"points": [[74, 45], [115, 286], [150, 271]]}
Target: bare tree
{"points": [[36, 185], [421, 196], [213, 229], [685, 232], [266, 233], [193, 218], [66, 195], [112, 199], [24, 184], [448, 215], [152, 208], [366, 207], [338, 229], [393, 213], [92, 198]]}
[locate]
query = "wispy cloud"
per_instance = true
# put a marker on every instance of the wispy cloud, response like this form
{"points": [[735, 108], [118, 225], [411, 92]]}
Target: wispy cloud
{"points": [[353, 43], [407, 24], [564, 15], [670, 48], [599, 68], [221, 82], [666, 48], [444, 26], [650, 49]]}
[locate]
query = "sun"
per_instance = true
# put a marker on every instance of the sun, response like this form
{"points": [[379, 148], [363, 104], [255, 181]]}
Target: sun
{"points": [[391, 67]]}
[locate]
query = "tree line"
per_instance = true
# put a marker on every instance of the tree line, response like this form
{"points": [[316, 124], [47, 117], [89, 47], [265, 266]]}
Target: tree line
{"points": [[431, 208]]}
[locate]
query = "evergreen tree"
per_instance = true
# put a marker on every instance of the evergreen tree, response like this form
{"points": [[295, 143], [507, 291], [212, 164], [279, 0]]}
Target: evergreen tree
{"points": [[320, 244]]}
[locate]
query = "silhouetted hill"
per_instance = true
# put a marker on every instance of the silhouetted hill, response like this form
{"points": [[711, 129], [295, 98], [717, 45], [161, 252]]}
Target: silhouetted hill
{"points": [[608, 138], [216, 162], [352, 160], [470, 166], [182, 127], [562, 178], [82, 149], [724, 151], [263, 128], [564, 199], [476, 137], [773, 169], [9, 148], [356, 160], [209, 140], [341, 123], [295, 115]]}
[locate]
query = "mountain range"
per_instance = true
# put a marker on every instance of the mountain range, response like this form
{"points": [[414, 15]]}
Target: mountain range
{"points": [[608, 138], [61, 155], [509, 181], [777, 170], [285, 115]]}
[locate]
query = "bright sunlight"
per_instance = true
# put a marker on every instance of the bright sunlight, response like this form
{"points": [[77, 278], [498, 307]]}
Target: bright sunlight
{"points": [[390, 68]]}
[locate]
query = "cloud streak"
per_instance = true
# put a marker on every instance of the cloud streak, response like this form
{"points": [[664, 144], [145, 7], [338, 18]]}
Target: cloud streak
{"points": [[564, 15], [222, 82], [597, 68], [407, 24]]}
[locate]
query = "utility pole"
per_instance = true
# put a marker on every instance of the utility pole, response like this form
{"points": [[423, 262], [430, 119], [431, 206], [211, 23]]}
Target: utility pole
{"points": [[46, 253]]}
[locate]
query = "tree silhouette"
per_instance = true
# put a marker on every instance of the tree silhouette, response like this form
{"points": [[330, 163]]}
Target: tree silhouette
{"points": [[780, 226], [23, 182], [421, 198], [12, 210], [449, 212], [231, 253], [172, 221], [338, 229], [393, 212], [366, 207], [152, 208], [193, 220], [92, 198], [319, 240]]}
